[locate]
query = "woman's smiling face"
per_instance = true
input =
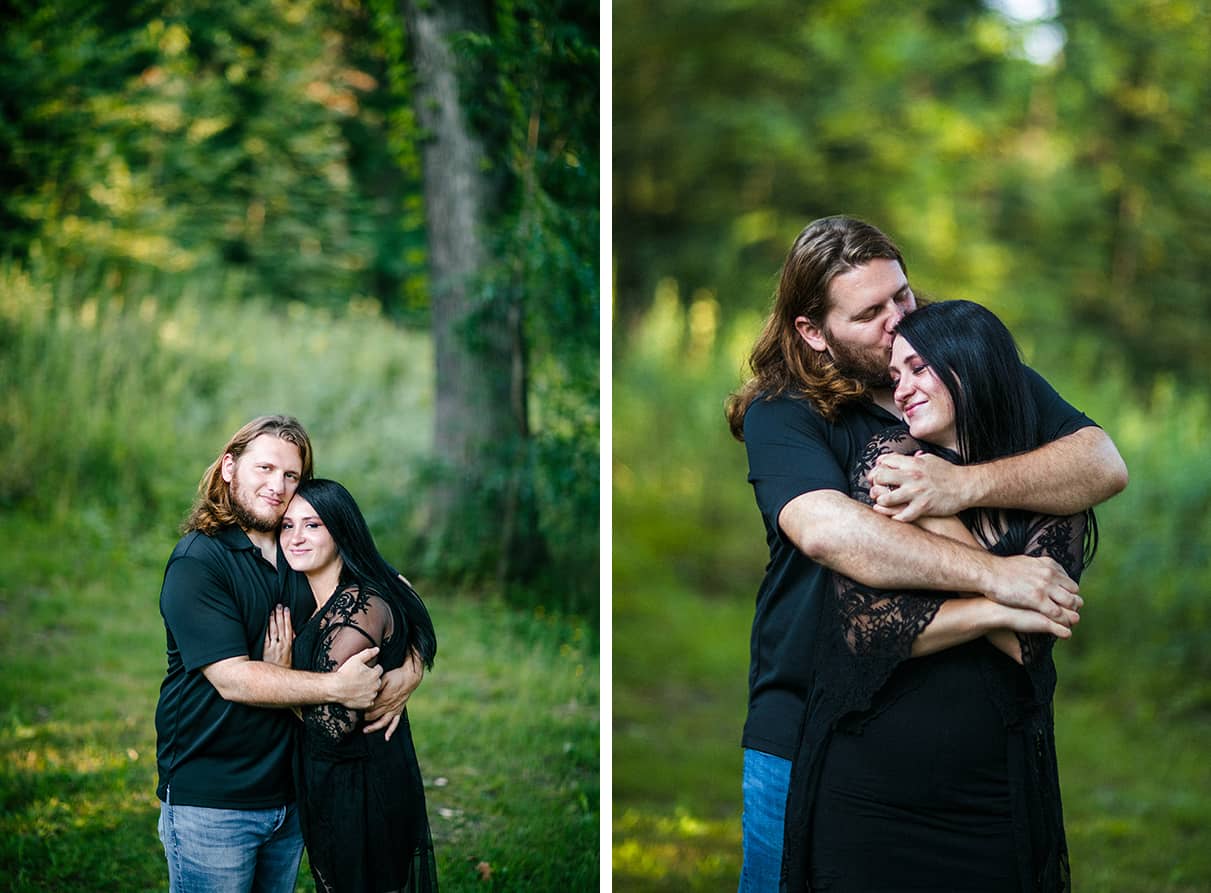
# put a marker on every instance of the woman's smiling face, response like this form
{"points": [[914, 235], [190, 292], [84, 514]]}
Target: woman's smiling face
{"points": [[924, 401], [308, 545]]}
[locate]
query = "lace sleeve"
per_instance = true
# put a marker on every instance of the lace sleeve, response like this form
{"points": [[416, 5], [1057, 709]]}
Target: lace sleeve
{"points": [[879, 621], [1061, 539], [356, 619]]}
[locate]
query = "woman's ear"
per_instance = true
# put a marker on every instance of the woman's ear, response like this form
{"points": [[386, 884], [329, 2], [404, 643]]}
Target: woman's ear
{"points": [[811, 333]]}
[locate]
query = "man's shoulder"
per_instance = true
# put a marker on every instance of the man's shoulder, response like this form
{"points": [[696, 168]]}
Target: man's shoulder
{"points": [[206, 547], [783, 407], [796, 409]]}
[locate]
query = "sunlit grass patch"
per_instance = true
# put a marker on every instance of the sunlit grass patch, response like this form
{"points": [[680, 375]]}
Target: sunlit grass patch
{"points": [[674, 851]]}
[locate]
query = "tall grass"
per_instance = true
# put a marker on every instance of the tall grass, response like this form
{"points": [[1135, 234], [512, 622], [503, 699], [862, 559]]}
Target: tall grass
{"points": [[116, 402], [1134, 708], [116, 390]]}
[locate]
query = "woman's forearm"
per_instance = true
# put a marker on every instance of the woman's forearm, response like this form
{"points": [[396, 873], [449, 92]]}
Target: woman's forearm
{"points": [[958, 620]]}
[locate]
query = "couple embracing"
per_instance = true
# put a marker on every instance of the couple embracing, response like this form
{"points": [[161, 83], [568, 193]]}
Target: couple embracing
{"points": [[927, 505], [276, 597]]}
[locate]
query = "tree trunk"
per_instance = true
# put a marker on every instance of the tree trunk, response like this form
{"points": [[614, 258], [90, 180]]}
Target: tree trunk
{"points": [[480, 427]]}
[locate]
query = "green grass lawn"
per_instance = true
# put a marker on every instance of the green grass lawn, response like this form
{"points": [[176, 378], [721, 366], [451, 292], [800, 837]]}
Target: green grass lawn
{"points": [[1136, 779], [506, 726]]}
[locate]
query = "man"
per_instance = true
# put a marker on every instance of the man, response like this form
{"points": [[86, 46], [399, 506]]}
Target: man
{"points": [[820, 390], [227, 817]]}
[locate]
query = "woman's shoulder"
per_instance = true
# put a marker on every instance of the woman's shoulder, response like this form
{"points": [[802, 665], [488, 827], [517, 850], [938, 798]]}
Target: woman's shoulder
{"points": [[353, 600]]}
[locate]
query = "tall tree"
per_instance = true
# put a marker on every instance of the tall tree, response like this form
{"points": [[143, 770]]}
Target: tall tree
{"points": [[482, 501]]}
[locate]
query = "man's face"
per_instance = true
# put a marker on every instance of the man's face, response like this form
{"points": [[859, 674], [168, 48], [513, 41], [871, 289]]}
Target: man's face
{"points": [[866, 303], [262, 481]]}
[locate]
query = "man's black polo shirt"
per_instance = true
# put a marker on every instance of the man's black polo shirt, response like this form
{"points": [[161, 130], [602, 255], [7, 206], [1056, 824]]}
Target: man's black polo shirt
{"points": [[216, 598], [793, 450]]}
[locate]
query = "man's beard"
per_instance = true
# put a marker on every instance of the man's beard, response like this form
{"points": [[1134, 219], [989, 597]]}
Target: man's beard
{"points": [[244, 514], [864, 365]]}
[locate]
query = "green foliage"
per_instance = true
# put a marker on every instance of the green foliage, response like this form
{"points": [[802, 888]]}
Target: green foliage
{"points": [[530, 93], [505, 725], [1075, 189], [193, 137], [163, 160]]}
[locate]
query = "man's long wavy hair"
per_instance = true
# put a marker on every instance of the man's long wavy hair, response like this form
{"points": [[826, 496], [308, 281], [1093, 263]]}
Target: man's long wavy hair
{"points": [[781, 361], [212, 509]]}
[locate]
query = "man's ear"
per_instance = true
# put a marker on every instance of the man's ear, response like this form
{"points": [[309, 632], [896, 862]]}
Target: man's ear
{"points": [[811, 333], [228, 467]]}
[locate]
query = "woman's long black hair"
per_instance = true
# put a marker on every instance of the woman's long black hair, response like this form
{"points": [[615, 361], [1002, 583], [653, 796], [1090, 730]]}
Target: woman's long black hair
{"points": [[976, 358], [362, 562]]}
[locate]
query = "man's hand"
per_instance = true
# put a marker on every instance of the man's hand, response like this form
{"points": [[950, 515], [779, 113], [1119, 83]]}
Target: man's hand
{"points": [[356, 683], [398, 686], [1036, 584], [909, 487]]}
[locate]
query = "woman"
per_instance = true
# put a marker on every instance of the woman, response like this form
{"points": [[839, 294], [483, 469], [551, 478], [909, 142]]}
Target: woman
{"points": [[361, 799], [939, 772]]}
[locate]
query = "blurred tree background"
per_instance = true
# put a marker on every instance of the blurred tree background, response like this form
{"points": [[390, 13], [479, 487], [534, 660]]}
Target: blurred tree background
{"points": [[213, 210], [270, 151], [1048, 159]]}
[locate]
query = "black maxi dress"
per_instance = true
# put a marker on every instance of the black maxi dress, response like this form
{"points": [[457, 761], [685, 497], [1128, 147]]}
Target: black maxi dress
{"points": [[361, 798], [929, 773]]}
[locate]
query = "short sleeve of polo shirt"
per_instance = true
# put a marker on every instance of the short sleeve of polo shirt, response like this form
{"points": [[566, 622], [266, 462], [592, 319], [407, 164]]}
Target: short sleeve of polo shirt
{"points": [[788, 454], [1057, 417], [200, 611]]}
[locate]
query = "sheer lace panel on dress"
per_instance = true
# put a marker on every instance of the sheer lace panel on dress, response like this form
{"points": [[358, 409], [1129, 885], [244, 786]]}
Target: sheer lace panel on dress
{"points": [[353, 620], [880, 621]]}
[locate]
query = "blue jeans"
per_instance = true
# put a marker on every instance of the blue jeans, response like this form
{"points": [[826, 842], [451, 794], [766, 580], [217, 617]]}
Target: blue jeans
{"points": [[766, 782], [231, 850]]}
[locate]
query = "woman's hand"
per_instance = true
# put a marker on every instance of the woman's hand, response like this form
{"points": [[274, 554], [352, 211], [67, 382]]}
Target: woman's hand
{"points": [[1024, 620], [279, 638]]}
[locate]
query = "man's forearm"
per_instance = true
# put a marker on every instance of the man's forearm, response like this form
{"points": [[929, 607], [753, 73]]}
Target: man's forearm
{"points": [[847, 537], [260, 684], [1063, 477]]}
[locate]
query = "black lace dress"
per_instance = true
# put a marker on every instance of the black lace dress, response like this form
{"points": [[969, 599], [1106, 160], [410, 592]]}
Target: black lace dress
{"points": [[936, 772], [361, 799]]}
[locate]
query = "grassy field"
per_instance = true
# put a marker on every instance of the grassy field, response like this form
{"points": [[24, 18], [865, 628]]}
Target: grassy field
{"points": [[506, 726]]}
